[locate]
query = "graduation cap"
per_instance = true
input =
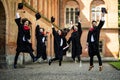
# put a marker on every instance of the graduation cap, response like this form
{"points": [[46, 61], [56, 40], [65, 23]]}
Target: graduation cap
{"points": [[103, 10], [38, 16], [20, 5], [52, 19]]}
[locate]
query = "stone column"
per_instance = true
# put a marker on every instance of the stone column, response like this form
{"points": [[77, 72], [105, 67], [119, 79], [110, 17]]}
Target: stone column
{"points": [[60, 11], [31, 3], [56, 8], [53, 7], [49, 9], [41, 6], [38, 5], [45, 8]]}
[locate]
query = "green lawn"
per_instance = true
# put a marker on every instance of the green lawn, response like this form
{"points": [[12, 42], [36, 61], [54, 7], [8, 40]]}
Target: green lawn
{"points": [[116, 64]]}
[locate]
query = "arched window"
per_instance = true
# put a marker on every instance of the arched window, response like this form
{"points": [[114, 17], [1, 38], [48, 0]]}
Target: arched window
{"points": [[70, 13], [96, 6], [96, 13]]}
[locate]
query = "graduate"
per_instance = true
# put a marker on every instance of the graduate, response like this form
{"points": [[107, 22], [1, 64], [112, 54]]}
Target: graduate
{"points": [[76, 42], [23, 39], [93, 40], [58, 44], [41, 46]]}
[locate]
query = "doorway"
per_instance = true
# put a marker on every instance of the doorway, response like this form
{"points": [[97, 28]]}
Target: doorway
{"points": [[2, 35]]}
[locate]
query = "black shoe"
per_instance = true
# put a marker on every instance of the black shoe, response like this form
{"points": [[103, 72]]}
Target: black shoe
{"points": [[49, 62], [35, 59], [15, 66], [60, 64]]}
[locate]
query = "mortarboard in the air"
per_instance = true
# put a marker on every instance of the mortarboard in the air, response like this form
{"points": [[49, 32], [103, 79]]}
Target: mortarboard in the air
{"points": [[52, 19], [37, 16], [103, 10], [20, 5]]}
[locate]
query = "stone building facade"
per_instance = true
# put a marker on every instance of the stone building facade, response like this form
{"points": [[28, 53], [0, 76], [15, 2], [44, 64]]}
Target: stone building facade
{"points": [[64, 11]]}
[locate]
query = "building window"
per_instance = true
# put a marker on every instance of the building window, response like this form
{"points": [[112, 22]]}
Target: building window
{"points": [[71, 16], [96, 6], [67, 15], [76, 17], [101, 46], [95, 13]]}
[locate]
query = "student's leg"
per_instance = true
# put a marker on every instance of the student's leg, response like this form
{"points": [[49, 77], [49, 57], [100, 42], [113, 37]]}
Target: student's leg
{"points": [[15, 59], [31, 54], [91, 51], [51, 60], [60, 62], [38, 53], [54, 59], [99, 59], [79, 59], [100, 62], [44, 55], [91, 62]]}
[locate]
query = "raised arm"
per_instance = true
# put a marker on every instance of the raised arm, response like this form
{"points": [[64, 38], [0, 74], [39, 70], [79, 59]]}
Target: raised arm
{"points": [[54, 31], [79, 26], [102, 21], [18, 19], [37, 29]]}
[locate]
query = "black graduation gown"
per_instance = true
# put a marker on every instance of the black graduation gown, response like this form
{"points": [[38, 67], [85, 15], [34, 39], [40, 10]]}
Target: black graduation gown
{"points": [[57, 48], [64, 45], [76, 43], [41, 47], [93, 47], [27, 36], [21, 47]]}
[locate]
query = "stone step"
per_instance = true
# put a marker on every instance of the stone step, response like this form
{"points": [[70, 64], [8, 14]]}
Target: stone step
{"points": [[3, 63], [86, 59]]}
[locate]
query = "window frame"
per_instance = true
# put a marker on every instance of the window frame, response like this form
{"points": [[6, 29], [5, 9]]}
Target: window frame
{"points": [[70, 13]]}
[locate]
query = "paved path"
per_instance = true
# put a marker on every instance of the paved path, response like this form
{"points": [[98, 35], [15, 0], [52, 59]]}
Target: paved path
{"points": [[68, 71]]}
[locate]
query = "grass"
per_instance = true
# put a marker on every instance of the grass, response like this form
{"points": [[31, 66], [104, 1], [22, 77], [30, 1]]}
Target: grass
{"points": [[116, 64]]}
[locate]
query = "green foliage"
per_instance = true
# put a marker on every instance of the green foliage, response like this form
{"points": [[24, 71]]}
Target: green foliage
{"points": [[119, 13], [119, 1], [116, 65], [119, 22]]}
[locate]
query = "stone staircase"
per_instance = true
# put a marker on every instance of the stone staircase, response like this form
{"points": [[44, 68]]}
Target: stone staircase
{"points": [[44, 19]]}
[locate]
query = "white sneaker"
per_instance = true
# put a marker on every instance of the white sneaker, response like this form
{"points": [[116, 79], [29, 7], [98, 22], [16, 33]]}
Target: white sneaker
{"points": [[75, 61], [40, 60], [80, 65]]}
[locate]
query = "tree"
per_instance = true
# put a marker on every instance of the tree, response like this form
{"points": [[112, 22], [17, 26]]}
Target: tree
{"points": [[119, 13], [119, 22]]}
